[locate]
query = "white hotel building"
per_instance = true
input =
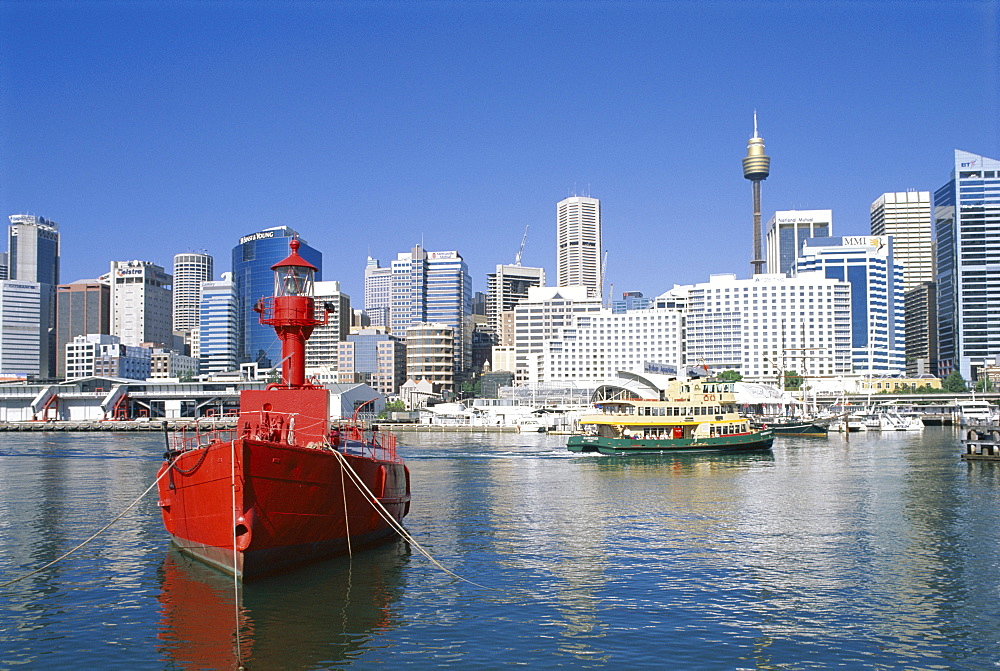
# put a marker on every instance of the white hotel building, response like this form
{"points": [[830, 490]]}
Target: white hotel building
{"points": [[770, 324], [760, 327], [560, 335]]}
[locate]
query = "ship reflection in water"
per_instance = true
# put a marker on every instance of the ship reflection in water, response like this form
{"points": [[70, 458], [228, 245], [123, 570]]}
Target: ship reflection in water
{"points": [[321, 615]]}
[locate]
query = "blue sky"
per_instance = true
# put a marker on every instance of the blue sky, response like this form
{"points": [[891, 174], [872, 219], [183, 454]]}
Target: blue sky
{"points": [[146, 129]]}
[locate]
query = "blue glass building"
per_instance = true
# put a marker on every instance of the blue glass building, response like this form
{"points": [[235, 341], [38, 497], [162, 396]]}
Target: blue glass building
{"points": [[253, 280], [877, 326], [966, 218], [433, 288]]}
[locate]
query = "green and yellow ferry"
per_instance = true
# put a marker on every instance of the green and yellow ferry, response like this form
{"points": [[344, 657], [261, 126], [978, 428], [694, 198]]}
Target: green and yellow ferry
{"points": [[690, 415]]}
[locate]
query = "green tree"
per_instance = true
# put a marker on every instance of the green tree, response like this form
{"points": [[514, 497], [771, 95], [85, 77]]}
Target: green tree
{"points": [[954, 383], [793, 381], [730, 376], [392, 406]]}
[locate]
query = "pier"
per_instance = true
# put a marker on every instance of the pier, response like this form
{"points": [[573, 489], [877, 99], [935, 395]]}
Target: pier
{"points": [[982, 442]]}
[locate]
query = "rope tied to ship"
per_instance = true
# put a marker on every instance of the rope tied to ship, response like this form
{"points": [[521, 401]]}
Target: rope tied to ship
{"points": [[91, 537], [397, 526]]}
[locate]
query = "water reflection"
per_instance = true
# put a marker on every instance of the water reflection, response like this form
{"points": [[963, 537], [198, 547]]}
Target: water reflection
{"points": [[322, 615]]}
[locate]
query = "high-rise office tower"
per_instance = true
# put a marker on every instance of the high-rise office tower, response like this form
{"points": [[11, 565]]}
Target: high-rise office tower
{"points": [[507, 286], [321, 348], [33, 256], [82, 308], [217, 326], [756, 168], [786, 232], [434, 287], [968, 265], [33, 249], [377, 292], [141, 303], [876, 280], [253, 280], [23, 349], [190, 270], [906, 216], [578, 244]]}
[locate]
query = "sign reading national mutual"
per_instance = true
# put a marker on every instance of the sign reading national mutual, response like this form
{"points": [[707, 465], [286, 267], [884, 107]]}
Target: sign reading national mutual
{"points": [[263, 235]]}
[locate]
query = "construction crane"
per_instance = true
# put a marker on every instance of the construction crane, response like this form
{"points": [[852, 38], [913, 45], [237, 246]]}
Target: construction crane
{"points": [[517, 259]]}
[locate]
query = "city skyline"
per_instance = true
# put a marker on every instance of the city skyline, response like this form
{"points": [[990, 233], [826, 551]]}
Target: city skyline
{"points": [[379, 127]]}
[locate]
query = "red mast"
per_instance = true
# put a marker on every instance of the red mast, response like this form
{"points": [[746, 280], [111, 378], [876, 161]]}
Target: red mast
{"points": [[292, 313]]}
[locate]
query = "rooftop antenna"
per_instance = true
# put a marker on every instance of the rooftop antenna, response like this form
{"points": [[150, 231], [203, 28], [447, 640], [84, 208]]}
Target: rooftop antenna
{"points": [[517, 259]]}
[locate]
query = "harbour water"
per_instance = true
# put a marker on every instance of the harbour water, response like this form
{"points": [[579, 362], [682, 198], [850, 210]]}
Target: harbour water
{"points": [[877, 553]]}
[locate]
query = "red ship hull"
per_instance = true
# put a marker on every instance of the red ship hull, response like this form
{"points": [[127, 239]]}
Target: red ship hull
{"points": [[280, 505]]}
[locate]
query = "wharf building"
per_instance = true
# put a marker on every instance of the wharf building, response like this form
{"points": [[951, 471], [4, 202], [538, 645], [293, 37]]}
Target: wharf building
{"points": [[82, 307], [434, 288], [141, 303], [578, 244], [788, 230], [966, 214], [372, 357], [217, 326], [877, 309], [321, 348], [906, 216], [253, 279], [190, 270], [378, 293], [768, 325], [23, 328]]}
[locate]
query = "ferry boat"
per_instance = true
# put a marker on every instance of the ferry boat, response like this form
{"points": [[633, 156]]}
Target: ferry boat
{"points": [[287, 486], [690, 415]]}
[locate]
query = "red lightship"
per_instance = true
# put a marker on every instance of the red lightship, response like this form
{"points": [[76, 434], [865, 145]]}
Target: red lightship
{"points": [[287, 487]]}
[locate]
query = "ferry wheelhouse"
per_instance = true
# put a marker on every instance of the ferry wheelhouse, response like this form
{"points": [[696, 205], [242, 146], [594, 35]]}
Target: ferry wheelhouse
{"points": [[690, 415]]}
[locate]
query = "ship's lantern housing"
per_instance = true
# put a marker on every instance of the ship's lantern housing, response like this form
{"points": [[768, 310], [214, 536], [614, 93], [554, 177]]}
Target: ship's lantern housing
{"points": [[294, 276]]}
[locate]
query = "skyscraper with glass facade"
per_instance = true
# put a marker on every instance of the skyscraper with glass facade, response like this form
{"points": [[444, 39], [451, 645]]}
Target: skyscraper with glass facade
{"points": [[378, 292], [786, 231], [434, 287], [876, 280], [966, 212], [217, 326], [33, 249], [253, 280]]}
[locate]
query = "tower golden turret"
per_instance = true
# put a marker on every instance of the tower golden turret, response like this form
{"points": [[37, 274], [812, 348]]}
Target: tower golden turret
{"points": [[756, 168]]}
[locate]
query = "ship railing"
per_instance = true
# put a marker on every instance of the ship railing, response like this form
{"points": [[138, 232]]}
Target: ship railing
{"points": [[365, 441], [194, 435]]}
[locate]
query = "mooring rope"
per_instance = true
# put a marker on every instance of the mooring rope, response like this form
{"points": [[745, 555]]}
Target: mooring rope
{"points": [[398, 527], [347, 520], [236, 580], [92, 537]]}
